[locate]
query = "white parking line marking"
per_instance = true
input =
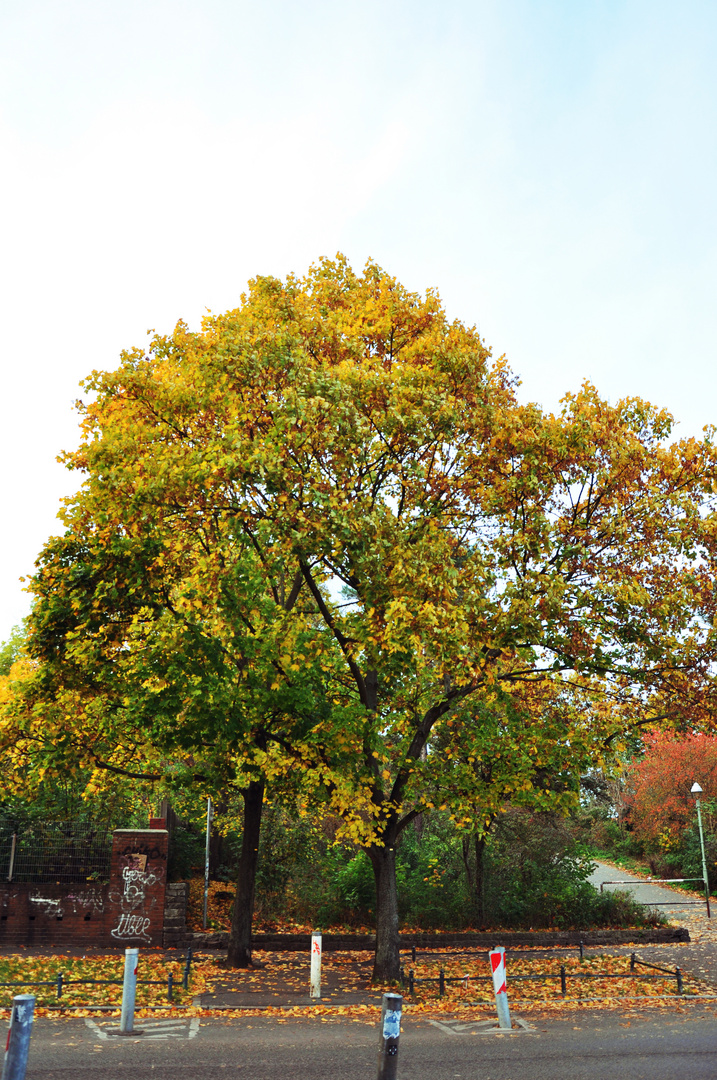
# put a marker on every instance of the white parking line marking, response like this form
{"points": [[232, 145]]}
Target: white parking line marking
{"points": [[153, 1030], [480, 1027]]}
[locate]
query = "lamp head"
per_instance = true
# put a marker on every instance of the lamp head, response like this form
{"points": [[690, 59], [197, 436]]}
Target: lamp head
{"points": [[695, 789]]}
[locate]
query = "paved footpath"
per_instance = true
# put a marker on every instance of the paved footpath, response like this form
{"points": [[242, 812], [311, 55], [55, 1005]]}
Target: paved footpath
{"points": [[581, 1046], [699, 956], [646, 893]]}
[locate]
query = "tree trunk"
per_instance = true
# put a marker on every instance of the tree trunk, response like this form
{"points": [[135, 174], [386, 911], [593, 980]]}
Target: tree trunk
{"points": [[419, 820], [216, 840], [239, 954], [466, 856], [387, 963], [480, 843]]}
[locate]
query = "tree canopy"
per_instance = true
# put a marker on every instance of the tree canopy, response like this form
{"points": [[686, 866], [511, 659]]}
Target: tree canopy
{"points": [[327, 517]]}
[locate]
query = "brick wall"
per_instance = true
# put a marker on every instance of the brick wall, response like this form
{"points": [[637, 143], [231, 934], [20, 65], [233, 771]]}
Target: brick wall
{"points": [[127, 912], [53, 914]]}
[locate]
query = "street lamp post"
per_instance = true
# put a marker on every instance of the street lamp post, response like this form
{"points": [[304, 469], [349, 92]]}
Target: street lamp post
{"points": [[210, 816], [696, 790]]}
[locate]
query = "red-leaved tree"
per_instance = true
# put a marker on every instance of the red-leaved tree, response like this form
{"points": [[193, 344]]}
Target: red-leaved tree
{"points": [[659, 804]]}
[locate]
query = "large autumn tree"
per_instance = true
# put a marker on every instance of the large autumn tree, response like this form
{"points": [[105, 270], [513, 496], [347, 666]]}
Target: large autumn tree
{"points": [[446, 540]]}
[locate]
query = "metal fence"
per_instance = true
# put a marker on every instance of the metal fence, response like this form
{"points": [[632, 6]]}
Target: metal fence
{"points": [[666, 880], [61, 853], [61, 982], [412, 981]]}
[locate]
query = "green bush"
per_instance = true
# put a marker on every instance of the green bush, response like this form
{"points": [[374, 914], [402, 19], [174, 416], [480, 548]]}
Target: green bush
{"points": [[535, 875]]}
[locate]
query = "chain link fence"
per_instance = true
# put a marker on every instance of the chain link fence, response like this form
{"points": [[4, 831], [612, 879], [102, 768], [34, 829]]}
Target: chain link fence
{"points": [[62, 853]]}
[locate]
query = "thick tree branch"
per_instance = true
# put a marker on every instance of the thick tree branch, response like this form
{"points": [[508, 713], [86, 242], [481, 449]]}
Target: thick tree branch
{"points": [[637, 724], [340, 637], [295, 590], [132, 775]]}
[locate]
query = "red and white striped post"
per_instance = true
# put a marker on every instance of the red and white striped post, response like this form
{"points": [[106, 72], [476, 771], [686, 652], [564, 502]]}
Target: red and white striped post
{"points": [[497, 964]]}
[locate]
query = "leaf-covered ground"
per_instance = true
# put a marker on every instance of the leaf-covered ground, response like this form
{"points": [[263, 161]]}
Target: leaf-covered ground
{"points": [[596, 976], [280, 988], [29, 970]]}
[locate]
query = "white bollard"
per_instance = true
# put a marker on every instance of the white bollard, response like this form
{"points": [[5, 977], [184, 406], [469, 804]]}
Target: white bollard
{"points": [[18, 1037], [129, 992], [316, 965], [497, 963]]}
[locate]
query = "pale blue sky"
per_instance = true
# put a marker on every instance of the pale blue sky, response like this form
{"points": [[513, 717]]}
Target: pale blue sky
{"points": [[550, 167]]}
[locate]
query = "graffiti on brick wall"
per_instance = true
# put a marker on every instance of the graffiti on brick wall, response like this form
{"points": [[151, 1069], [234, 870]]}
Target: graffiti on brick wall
{"points": [[129, 910], [7, 896], [88, 898], [132, 853], [132, 926], [136, 883], [136, 897], [48, 904], [80, 901]]}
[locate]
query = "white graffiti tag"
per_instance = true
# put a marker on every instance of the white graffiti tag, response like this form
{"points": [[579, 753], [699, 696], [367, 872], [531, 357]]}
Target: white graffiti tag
{"points": [[50, 906], [91, 898], [132, 926], [135, 884]]}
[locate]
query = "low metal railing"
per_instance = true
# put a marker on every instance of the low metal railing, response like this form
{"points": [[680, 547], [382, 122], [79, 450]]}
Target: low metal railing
{"points": [[61, 982], [662, 881], [412, 981]]}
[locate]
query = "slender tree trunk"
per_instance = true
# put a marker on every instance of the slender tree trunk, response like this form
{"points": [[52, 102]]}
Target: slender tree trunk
{"points": [[466, 856], [387, 963], [239, 954], [216, 840], [419, 821], [480, 843]]}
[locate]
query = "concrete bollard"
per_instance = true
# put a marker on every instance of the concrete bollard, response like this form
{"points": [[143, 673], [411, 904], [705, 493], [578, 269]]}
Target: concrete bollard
{"points": [[129, 993], [315, 965], [497, 964], [18, 1037], [391, 1006]]}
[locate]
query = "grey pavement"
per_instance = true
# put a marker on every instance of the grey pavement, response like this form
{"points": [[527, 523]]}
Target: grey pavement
{"points": [[675, 903], [579, 1047], [284, 980], [699, 957]]}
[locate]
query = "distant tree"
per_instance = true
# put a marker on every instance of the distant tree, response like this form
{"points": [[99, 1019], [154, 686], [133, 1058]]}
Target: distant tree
{"points": [[659, 804]]}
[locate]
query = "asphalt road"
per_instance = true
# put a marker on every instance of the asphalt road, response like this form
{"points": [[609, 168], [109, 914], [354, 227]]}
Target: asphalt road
{"points": [[580, 1047]]}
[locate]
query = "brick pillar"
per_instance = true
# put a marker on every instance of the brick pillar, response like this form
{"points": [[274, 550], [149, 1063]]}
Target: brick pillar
{"points": [[138, 882], [176, 935]]}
